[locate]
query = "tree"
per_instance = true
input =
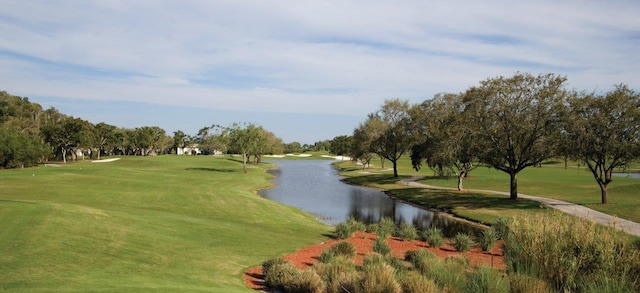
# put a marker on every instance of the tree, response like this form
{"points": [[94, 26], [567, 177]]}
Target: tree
{"points": [[243, 138], [604, 132], [266, 143], [19, 150], [103, 134], [396, 132], [65, 135], [363, 139], [446, 141], [340, 145], [180, 140], [515, 119]]}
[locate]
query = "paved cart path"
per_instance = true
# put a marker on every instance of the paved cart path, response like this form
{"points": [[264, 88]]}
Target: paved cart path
{"points": [[630, 227]]}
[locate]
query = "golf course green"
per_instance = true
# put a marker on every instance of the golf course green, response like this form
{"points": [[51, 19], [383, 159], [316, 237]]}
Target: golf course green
{"points": [[165, 223]]}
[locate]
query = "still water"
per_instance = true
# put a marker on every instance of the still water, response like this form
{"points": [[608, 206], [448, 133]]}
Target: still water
{"points": [[315, 187]]}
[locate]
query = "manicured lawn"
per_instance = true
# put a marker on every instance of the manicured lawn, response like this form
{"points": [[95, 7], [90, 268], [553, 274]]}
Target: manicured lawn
{"points": [[572, 184], [163, 223]]}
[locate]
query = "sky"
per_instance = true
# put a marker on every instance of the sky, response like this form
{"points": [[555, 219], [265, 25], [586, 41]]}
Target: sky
{"points": [[304, 70]]}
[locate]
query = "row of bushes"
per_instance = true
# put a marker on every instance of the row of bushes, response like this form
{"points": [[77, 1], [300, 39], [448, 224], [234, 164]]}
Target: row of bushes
{"points": [[419, 271], [544, 253], [387, 227]]}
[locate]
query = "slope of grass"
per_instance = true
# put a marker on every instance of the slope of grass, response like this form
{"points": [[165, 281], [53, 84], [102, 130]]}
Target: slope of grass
{"points": [[166, 223]]}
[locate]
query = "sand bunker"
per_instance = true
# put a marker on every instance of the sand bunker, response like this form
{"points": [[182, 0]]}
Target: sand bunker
{"points": [[105, 161]]}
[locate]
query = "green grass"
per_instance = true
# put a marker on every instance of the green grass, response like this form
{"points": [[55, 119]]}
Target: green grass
{"points": [[574, 185], [165, 223]]}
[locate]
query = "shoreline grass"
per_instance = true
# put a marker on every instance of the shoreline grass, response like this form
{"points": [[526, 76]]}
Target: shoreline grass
{"points": [[163, 223], [573, 184]]}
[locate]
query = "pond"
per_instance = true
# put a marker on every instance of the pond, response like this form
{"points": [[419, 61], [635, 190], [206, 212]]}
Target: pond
{"points": [[315, 187], [628, 175]]}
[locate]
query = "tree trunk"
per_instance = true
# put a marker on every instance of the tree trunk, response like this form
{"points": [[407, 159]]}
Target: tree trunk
{"points": [[382, 162], [395, 169], [244, 162], [514, 186], [603, 191], [64, 155], [460, 177]]}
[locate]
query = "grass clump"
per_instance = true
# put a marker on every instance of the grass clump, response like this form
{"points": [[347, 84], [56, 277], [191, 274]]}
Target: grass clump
{"points": [[434, 237], [280, 275], [380, 246], [306, 281], [417, 283], [420, 259], [523, 283], [572, 254], [344, 248], [379, 278], [386, 228], [346, 229], [501, 227], [268, 264], [406, 232], [339, 274], [488, 239], [462, 242], [487, 280]]}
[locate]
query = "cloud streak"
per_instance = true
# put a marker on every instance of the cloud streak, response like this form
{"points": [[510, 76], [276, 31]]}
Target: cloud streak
{"points": [[307, 57]]}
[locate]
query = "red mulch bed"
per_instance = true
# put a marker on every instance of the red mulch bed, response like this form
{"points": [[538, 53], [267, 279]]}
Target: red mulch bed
{"points": [[306, 257]]}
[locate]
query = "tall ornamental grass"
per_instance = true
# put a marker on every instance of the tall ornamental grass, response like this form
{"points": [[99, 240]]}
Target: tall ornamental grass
{"points": [[572, 254]]}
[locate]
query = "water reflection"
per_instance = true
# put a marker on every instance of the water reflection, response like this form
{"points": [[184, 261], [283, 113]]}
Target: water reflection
{"points": [[314, 187]]}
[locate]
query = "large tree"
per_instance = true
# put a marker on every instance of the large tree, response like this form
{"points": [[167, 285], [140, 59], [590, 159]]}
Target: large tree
{"points": [[65, 135], [444, 137], [516, 119], [396, 133], [243, 138], [340, 145], [604, 132]]}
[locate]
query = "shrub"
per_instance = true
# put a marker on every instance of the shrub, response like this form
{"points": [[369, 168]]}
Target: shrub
{"points": [[326, 256], [339, 274], [501, 227], [462, 242], [488, 239], [448, 274], [343, 231], [346, 229], [306, 281], [267, 264], [386, 228], [571, 254], [521, 283], [434, 237], [380, 246], [407, 232], [372, 228], [420, 259], [379, 277], [416, 283], [280, 275], [486, 280], [344, 248]]}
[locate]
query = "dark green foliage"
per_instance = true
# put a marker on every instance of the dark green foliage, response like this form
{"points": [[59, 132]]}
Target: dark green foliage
{"points": [[433, 236], [344, 248], [380, 246], [487, 239], [486, 280], [326, 256], [407, 232], [501, 227], [280, 275], [386, 228], [462, 242]]}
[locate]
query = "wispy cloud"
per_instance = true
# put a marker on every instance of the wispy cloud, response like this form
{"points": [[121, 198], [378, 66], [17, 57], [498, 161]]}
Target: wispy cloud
{"points": [[307, 57]]}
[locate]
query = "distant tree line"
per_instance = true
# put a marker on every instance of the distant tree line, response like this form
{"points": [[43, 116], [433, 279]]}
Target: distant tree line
{"points": [[507, 123]]}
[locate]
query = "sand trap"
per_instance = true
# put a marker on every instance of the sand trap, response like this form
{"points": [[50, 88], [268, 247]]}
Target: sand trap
{"points": [[105, 161], [340, 158], [300, 155], [274, 156], [52, 165]]}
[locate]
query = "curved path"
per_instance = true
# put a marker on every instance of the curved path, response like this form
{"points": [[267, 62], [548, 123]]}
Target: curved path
{"points": [[630, 227]]}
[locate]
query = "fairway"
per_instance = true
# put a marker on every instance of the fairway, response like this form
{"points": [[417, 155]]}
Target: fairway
{"points": [[163, 223]]}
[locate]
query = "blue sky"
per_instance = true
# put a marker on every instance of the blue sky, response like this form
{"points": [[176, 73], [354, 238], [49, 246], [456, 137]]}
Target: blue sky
{"points": [[305, 70]]}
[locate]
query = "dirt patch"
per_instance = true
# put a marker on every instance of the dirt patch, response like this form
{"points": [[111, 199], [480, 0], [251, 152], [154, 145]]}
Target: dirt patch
{"points": [[306, 257]]}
